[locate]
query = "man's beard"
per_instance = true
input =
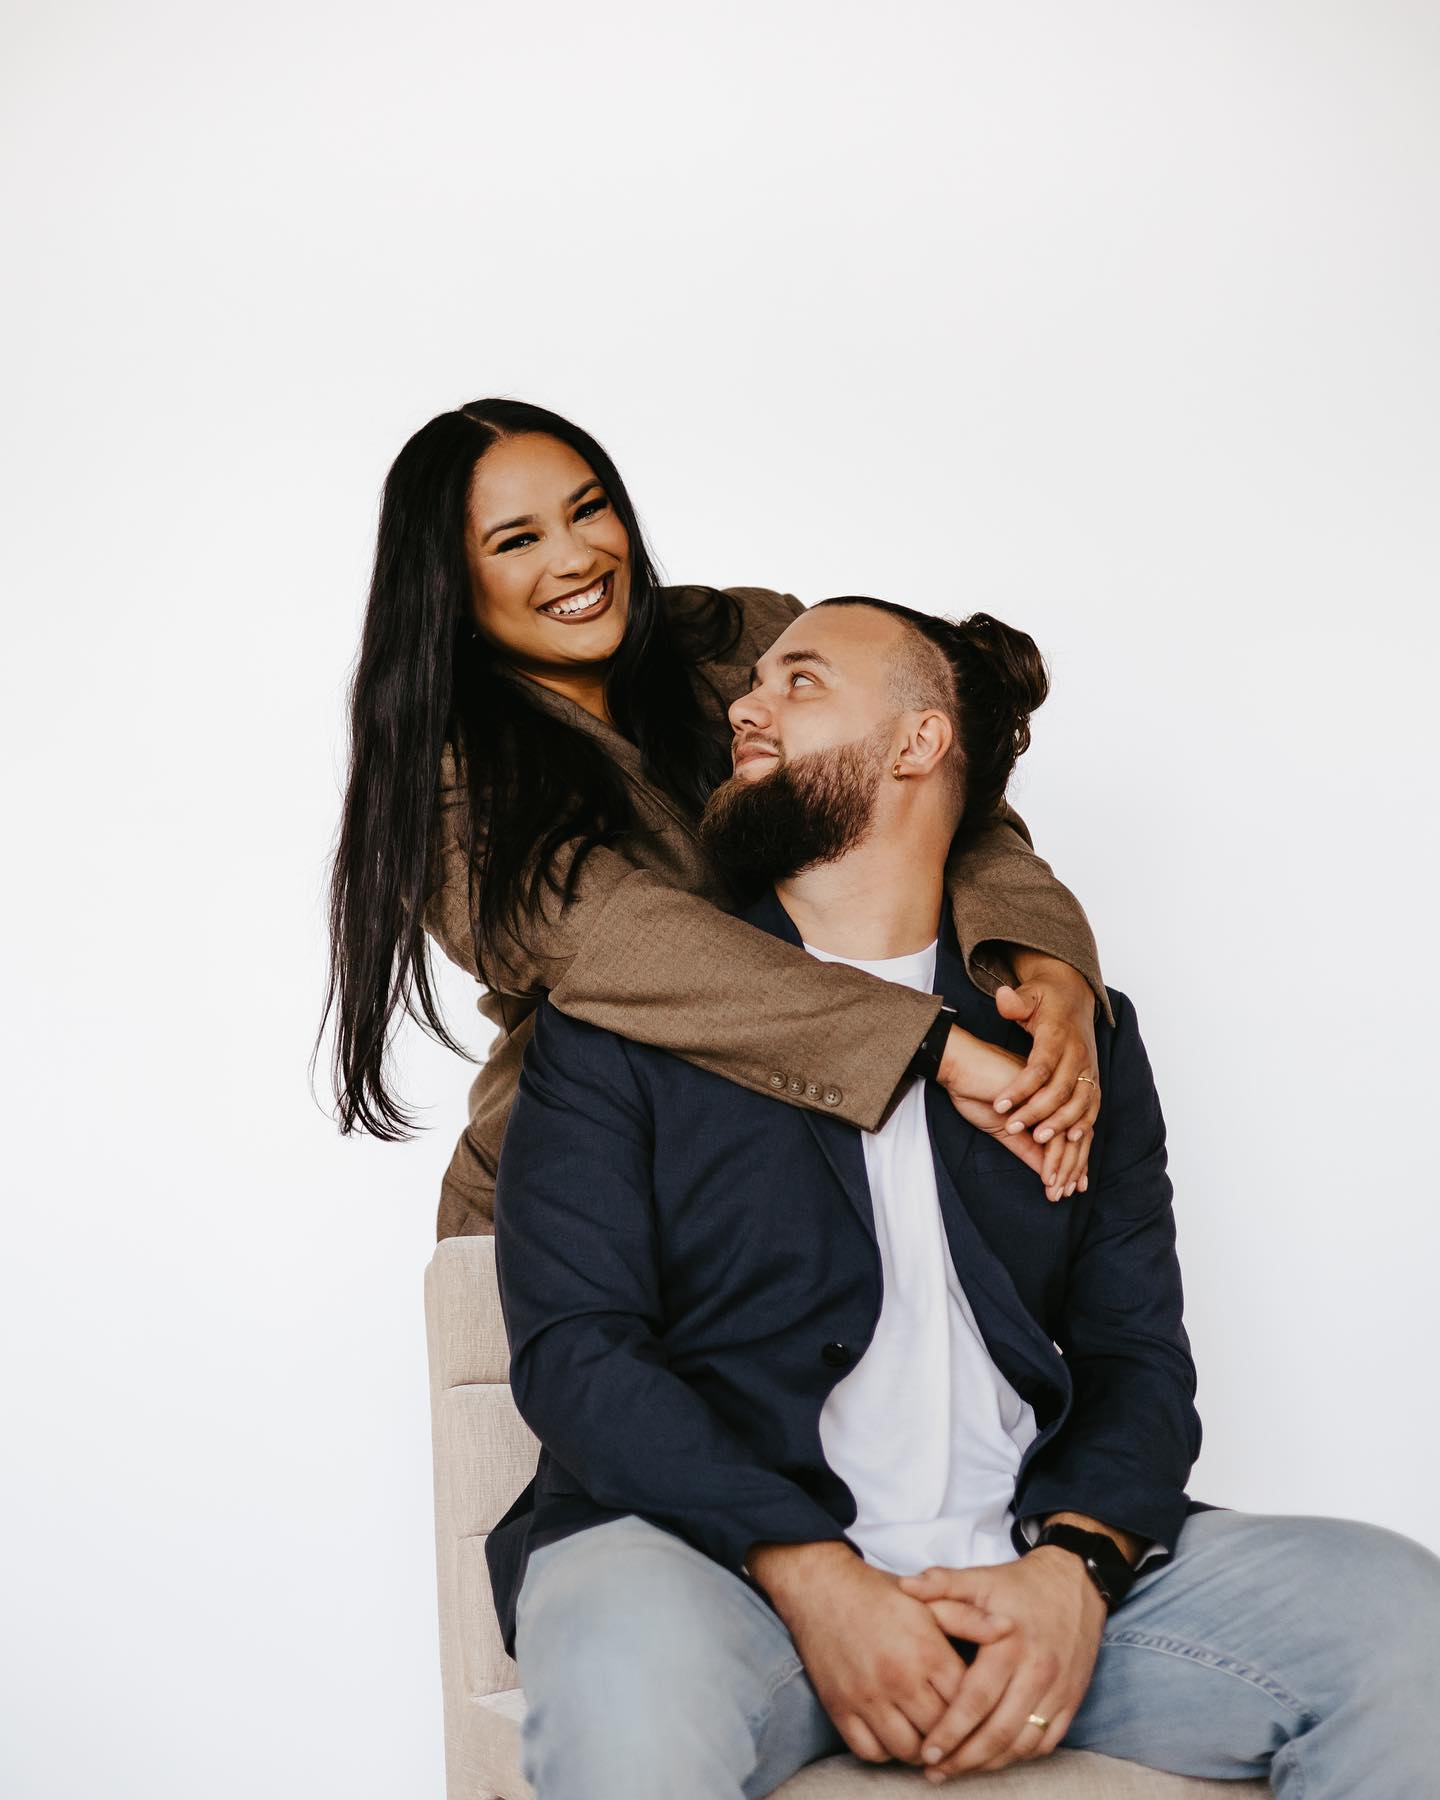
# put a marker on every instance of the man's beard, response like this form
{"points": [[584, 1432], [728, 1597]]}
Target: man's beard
{"points": [[808, 810]]}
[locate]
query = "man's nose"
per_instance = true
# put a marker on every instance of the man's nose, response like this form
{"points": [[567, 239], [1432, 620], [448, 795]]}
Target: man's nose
{"points": [[749, 712]]}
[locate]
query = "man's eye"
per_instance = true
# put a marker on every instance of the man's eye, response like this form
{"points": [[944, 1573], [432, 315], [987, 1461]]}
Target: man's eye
{"points": [[800, 675]]}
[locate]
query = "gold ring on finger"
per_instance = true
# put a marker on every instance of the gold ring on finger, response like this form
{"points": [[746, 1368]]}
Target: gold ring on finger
{"points": [[1090, 1078], [1036, 1719]]}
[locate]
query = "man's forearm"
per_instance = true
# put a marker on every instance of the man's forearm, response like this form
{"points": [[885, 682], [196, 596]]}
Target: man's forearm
{"points": [[781, 1568]]}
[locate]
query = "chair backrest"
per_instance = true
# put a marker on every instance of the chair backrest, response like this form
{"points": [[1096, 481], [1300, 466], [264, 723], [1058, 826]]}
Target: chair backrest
{"points": [[484, 1456]]}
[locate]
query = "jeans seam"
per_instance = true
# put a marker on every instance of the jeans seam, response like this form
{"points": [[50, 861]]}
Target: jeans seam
{"points": [[1295, 1785], [757, 1720], [1215, 1659]]}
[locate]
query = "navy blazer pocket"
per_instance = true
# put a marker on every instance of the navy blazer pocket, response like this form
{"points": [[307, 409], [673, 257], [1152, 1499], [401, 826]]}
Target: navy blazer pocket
{"points": [[992, 1173], [995, 1156], [993, 1166], [1030, 1235]]}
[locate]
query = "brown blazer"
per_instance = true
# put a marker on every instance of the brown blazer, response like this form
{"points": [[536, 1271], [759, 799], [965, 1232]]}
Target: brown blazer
{"points": [[648, 948]]}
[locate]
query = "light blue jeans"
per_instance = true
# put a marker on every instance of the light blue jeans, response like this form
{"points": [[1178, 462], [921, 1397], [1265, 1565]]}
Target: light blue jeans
{"points": [[1303, 1649]]}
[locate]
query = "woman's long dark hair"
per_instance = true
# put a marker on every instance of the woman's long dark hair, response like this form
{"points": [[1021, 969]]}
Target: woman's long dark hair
{"points": [[424, 679]]}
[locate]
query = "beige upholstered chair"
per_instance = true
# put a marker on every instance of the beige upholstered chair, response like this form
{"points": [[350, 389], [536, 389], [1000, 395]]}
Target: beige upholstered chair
{"points": [[484, 1455]]}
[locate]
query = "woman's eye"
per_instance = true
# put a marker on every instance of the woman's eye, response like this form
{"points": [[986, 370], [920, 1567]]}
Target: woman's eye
{"points": [[510, 543], [595, 505]]}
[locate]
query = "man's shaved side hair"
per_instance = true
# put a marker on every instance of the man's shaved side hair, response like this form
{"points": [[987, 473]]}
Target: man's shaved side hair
{"points": [[985, 676], [922, 679]]}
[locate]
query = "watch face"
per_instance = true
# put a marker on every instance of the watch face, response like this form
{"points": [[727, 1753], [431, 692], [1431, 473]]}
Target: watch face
{"points": [[1105, 1563], [1099, 1577]]}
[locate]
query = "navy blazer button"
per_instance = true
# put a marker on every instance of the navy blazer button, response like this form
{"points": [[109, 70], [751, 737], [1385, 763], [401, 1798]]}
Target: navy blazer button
{"points": [[837, 1355], [777, 1079], [833, 1096]]}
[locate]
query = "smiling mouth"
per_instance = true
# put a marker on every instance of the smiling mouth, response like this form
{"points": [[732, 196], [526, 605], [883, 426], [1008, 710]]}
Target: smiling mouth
{"points": [[583, 604]]}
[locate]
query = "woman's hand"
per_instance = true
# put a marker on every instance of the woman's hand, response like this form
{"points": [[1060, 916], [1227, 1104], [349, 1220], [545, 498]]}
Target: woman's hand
{"points": [[972, 1073], [1057, 1095]]}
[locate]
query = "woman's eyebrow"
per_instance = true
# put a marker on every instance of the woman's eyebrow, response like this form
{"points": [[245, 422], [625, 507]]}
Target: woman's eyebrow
{"points": [[796, 656], [529, 518]]}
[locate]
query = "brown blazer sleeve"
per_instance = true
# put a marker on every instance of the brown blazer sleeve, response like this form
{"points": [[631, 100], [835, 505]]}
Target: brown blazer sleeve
{"points": [[672, 969], [1002, 893], [665, 966]]}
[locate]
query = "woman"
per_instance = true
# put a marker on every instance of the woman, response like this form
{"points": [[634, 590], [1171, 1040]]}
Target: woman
{"points": [[536, 724]]}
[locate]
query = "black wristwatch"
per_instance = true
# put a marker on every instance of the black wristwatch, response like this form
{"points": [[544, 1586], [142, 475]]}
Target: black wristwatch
{"points": [[926, 1060], [1105, 1562]]}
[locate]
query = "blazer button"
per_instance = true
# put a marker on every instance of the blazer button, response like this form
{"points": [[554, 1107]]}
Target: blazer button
{"points": [[812, 1090], [833, 1096], [797, 1084], [837, 1355], [777, 1079]]}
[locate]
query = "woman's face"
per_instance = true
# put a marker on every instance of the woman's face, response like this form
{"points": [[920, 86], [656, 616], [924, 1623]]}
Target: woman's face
{"points": [[549, 558]]}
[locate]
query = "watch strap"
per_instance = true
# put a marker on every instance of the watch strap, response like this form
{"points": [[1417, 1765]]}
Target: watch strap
{"points": [[925, 1063], [1105, 1562]]}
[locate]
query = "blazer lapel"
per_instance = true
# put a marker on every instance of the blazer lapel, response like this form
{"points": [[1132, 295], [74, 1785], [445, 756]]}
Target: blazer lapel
{"points": [[1017, 1341], [840, 1144], [842, 1148], [1020, 1346]]}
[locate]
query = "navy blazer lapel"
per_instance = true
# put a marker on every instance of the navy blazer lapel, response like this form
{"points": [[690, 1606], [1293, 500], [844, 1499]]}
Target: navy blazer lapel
{"points": [[843, 1149], [840, 1143], [1014, 1336]]}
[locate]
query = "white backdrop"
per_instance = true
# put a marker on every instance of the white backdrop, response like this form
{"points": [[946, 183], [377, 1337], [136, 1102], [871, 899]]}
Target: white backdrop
{"points": [[1116, 319]]}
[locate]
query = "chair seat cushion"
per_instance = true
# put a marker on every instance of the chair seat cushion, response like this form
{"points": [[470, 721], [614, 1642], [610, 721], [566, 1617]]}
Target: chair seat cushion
{"points": [[493, 1756]]}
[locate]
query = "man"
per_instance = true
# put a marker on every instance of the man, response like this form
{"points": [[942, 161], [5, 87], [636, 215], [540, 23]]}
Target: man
{"points": [[853, 1438]]}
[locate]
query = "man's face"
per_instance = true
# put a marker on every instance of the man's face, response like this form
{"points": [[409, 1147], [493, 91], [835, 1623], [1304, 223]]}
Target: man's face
{"points": [[814, 738], [825, 681]]}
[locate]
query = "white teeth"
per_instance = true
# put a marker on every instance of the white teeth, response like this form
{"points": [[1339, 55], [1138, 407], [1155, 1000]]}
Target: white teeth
{"points": [[577, 602]]}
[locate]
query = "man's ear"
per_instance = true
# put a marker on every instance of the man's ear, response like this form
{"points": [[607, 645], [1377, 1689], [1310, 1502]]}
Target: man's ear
{"points": [[926, 743]]}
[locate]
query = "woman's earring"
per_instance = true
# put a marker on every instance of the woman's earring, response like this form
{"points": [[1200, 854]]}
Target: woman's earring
{"points": [[896, 773]]}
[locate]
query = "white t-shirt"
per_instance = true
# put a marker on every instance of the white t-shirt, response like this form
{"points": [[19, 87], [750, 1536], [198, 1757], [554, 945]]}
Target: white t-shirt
{"points": [[924, 1430]]}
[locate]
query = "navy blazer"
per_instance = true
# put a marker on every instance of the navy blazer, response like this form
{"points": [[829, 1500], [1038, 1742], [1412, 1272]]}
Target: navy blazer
{"points": [[686, 1269]]}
